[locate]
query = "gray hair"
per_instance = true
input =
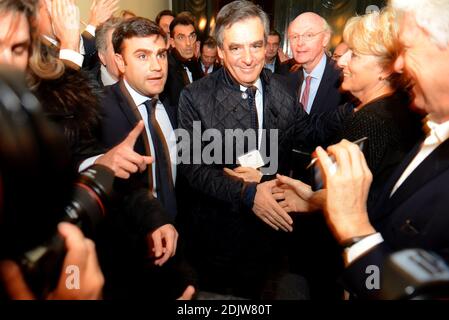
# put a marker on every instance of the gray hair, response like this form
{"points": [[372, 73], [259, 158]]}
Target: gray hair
{"points": [[101, 34], [237, 11], [327, 27], [431, 16]]}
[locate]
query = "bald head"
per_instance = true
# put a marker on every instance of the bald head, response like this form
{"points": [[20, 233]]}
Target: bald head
{"points": [[310, 18], [309, 35]]}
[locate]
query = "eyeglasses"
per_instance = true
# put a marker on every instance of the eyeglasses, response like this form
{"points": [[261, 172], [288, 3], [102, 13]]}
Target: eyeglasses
{"points": [[306, 37], [182, 37]]}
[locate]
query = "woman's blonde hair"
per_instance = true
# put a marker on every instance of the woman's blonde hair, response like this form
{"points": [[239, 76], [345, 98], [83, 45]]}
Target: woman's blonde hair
{"points": [[43, 62], [376, 34]]}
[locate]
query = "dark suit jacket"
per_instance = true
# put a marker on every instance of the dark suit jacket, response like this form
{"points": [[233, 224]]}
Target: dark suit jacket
{"points": [[91, 59], [118, 120], [281, 68], [216, 67], [129, 272], [176, 79], [414, 217], [392, 130], [328, 96]]}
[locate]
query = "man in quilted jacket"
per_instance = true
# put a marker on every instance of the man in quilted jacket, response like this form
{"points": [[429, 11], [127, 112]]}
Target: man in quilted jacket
{"points": [[229, 216]]}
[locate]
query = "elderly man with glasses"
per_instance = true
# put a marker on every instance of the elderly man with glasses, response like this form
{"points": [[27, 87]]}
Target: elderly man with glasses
{"points": [[316, 85], [317, 82]]}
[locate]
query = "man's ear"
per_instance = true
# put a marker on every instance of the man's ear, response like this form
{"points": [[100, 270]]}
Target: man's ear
{"points": [[326, 39], [102, 58], [171, 42], [220, 53], [121, 65]]}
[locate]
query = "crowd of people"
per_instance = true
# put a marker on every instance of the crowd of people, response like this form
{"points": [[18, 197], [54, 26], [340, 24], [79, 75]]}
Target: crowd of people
{"points": [[203, 135]]}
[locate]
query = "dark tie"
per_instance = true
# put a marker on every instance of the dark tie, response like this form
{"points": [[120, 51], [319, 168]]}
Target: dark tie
{"points": [[305, 95], [251, 91], [164, 180]]}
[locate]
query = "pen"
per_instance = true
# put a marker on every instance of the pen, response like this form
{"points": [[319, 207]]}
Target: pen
{"points": [[301, 152], [358, 142]]}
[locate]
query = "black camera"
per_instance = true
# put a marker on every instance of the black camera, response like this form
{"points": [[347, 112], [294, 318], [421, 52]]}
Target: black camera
{"points": [[40, 188], [315, 170], [42, 264]]}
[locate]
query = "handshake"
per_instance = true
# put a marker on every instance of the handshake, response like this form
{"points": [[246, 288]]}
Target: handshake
{"points": [[346, 179]]}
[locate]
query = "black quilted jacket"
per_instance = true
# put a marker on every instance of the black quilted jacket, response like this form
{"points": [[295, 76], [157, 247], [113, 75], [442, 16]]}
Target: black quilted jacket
{"points": [[215, 208], [217, 103]]}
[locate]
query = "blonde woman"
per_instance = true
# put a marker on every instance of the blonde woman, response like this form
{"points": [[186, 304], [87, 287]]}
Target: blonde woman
{"points": [[382, 112]]}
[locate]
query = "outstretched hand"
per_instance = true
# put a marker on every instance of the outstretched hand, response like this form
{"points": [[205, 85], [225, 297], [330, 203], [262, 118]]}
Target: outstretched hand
{"points": [[122, 159], [268, 210], [296, 196]]}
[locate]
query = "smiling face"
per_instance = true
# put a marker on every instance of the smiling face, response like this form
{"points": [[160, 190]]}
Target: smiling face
{"points": [[361, 75], [143, 63], [243, 52], [308, 39], [427, 65]]}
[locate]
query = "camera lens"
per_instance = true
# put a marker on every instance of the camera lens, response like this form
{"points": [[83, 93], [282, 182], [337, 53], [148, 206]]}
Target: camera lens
{"points": [[91, 194], [42, 264]]}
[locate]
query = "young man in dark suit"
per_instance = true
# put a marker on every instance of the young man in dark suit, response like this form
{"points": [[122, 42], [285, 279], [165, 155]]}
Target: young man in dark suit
{"points": [[149, 196]]}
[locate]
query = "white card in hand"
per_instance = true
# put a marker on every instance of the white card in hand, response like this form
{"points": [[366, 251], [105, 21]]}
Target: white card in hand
{"points": [[251, 159]]}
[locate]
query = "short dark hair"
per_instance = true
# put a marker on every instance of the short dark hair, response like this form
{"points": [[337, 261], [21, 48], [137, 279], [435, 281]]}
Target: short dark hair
{"points": [[183, 20], [135, 28], [162, 14], [210, 42], [275, 33]]}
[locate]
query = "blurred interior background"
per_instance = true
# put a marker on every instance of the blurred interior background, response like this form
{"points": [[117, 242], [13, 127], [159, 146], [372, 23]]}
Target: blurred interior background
{"points": [[281, 11]]}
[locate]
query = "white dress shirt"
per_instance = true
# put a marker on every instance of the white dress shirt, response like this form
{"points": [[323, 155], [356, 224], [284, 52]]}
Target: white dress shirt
{"points": [[209, 70], [271, 66], [317, 75], [437, 134], [189, 74], [259, 107], [164, 122], [106, 77]]}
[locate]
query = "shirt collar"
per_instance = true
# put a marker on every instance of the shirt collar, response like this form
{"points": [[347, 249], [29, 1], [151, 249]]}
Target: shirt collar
{"points": [[56, 43], [106, 77], [440, 131], [137, 97], [318, 71], [257, 84]]}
